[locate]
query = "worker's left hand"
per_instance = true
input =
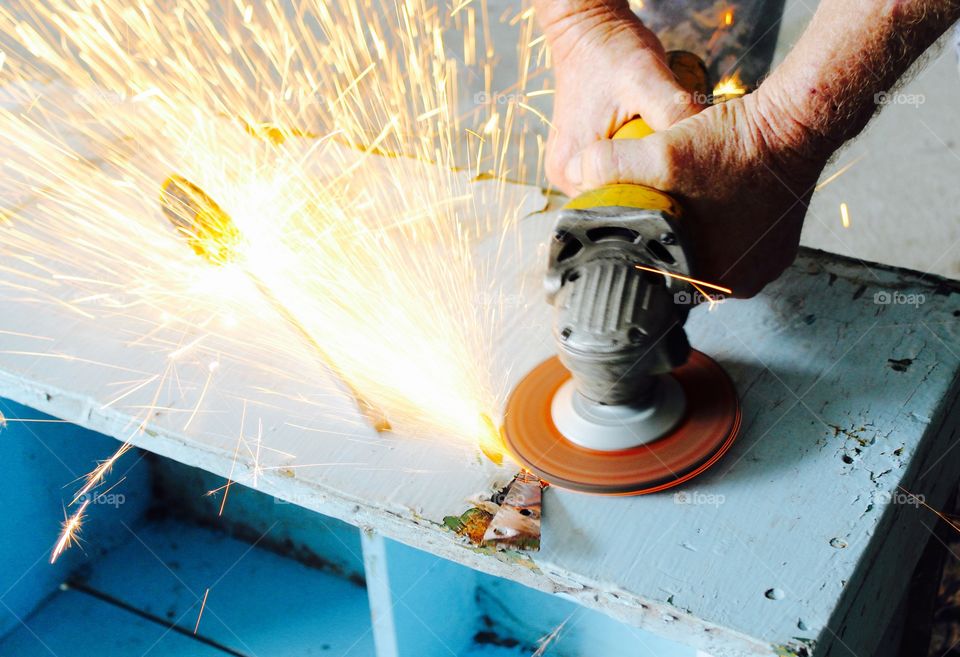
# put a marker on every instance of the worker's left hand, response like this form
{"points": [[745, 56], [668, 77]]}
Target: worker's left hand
{"points": [[609, 68], [743, 171]]}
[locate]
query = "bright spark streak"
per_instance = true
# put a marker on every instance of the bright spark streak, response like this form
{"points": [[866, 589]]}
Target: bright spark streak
{"points": [[730, 86], [844, 215], [95, 476], [842, 170], [69, 532], [548, 640], [692, 281], [203, 605], [953, 524]]}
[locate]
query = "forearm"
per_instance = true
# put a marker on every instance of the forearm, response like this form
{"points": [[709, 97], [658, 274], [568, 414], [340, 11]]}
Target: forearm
{"points": [[825, 92]]}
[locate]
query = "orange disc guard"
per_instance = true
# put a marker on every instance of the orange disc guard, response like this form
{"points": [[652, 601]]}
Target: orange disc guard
{"points": [[709, 426]]}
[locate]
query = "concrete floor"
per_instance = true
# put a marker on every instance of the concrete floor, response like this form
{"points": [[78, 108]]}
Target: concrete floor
{"points": [[903, 192]]}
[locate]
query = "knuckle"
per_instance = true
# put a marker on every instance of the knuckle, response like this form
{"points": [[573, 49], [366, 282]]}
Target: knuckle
{"points": [[667, 161]]}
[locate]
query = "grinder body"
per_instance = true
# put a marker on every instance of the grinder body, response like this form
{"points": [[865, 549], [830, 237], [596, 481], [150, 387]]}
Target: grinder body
{"points": [[627, 407]]}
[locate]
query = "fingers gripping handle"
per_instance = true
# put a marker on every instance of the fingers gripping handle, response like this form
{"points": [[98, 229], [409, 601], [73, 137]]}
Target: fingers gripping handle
{"points": [[633, 129], [691, 73]]}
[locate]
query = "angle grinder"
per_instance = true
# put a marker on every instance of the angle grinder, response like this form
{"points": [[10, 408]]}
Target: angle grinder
{"points": [[626, 407]]}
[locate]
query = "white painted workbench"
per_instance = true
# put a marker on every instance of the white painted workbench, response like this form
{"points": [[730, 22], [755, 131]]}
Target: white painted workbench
{"points": [[788, 543]]}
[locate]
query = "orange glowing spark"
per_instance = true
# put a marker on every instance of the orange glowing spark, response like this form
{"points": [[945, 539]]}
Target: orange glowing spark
{"points": [[203, 605], [728, 17], [730, 86], [69, 531], [692, 281], [844, 216], [922, 502]]}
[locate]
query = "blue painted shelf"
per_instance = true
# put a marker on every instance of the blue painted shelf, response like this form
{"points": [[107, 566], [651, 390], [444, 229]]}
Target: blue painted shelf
{"points": [[283, 581]]}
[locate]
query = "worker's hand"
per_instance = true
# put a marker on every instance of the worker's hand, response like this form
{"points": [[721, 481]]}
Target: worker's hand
{"points": [[743, 172], [609, 68]]}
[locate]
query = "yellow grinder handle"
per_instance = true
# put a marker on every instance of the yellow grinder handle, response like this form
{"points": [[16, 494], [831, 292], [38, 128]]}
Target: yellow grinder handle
{"points": [[634, 129], [692, 75]]}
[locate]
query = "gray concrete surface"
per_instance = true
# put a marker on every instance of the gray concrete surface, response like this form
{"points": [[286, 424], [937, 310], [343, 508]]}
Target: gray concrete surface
{"points": [[903, 192]]}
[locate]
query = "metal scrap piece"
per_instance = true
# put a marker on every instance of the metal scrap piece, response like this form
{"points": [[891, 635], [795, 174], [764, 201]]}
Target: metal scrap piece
{"points": [[517, 524]]}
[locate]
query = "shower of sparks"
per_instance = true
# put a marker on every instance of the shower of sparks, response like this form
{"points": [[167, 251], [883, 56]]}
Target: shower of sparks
{"points": [[341, 138], [69, 531], [844, 216]]}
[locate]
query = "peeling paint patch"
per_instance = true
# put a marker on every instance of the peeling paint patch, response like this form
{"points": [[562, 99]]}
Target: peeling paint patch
{"points": [[472, 524], [799, 647], [900, 365]]}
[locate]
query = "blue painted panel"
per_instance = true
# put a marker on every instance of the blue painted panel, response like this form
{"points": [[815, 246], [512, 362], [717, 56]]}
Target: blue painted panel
{"points": [[72, 624], [499, 651], [41, 462], [514, 610], [259, 603], [307, 536], [434, 603]]}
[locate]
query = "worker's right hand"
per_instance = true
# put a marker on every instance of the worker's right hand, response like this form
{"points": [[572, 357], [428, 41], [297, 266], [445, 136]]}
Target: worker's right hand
{"points": [[609, 68], [743, 171]]}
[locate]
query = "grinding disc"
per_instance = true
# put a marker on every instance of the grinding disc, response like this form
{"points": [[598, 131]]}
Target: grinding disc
{"points": [[708, 428]]}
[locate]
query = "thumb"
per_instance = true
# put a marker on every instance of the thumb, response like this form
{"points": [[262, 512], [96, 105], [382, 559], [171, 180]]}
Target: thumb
{"points": [[649, 161]]}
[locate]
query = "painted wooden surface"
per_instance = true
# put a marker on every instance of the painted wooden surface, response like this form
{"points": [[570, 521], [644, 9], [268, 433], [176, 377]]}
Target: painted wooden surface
{"points": [[420, 605], [196, 496], [62, 627], [845, 398], [259, 603], [846, 380]]}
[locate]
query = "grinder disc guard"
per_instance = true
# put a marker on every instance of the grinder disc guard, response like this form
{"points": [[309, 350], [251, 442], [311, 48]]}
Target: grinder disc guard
{"points": [[707, 429]]}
